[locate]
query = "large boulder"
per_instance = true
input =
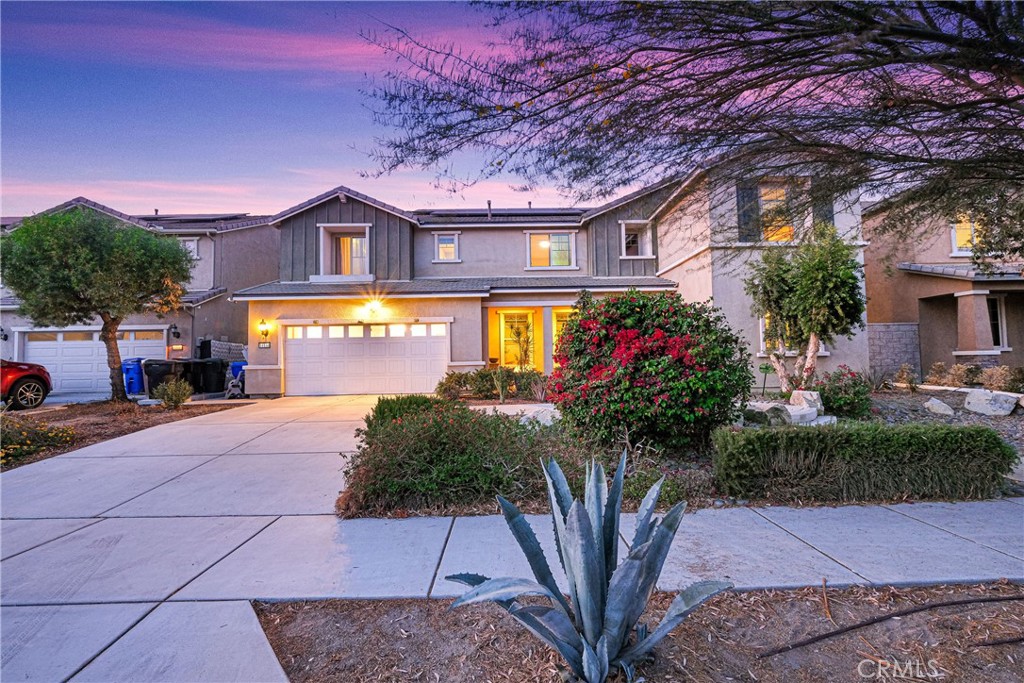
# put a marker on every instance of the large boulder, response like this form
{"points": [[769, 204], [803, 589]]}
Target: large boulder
{"points": [[937, 407], [802, 415], [991, 403], [808, 399]]}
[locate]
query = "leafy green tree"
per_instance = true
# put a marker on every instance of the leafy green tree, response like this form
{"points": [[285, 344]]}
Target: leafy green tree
{"points": [[73, 267], [807, 296]]}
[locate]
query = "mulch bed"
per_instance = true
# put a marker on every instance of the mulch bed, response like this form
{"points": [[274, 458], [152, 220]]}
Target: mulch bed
{"points": [[102, 421], [420, 640]]}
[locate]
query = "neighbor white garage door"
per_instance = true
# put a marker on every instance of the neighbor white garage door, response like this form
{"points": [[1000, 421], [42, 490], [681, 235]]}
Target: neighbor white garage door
{"points": [[77, 360], [398, 358]]}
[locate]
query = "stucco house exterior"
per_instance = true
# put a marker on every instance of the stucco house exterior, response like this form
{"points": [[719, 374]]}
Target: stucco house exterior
{"points": [[372, 298], [928, 302], [232, 251]]}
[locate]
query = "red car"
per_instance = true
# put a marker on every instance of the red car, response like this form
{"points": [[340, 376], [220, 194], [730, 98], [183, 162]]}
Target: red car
{"points": [[23, 385]]}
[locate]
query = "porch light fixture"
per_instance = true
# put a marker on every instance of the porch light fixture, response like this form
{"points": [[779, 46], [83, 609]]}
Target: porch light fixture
{"points": [[374, 307], [264, 329], [173, 329]]}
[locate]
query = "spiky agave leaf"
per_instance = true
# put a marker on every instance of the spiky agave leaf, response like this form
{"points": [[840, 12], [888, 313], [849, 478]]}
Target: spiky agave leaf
{"points": [[588, 569], [554, 628], [594, 499], [612, 512], [644, 515], [595, 662], [660, 543], [528, 543], [502, 588], [688, 600], [556, 484], [622, 591]]}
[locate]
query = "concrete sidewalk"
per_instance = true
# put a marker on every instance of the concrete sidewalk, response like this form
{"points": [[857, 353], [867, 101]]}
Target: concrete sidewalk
{"points": [[135, 560]]}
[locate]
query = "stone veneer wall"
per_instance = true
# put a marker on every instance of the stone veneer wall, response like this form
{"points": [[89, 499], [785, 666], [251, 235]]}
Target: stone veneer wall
{"points": [[890, 345]]}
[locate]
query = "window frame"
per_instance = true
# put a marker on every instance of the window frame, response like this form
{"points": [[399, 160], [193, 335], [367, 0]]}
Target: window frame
{"points": [[761, 186], [437, 246], [550, 233], [1000, 300], [191, 245], [503, 340], [645, 243], [955, 248], [329, 233]]}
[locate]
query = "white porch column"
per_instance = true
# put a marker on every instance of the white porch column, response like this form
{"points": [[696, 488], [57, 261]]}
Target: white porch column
{"points": [[548, 325]]}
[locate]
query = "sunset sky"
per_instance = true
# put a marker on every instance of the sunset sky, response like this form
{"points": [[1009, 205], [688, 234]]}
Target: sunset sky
{"points": [[196, 107]]}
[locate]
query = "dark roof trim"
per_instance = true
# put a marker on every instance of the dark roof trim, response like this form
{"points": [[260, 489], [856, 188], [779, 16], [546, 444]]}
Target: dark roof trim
{"points": [[339, 192], [616, 203], [95, 206], [1008, 273]]}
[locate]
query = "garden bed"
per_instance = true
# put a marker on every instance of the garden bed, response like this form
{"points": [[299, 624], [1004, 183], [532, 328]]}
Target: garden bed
{"points": [[420, 640], [91, 423]]}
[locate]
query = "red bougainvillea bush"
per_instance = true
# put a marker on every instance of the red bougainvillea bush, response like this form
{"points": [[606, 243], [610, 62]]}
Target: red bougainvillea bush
{"points": [[648, 366]]}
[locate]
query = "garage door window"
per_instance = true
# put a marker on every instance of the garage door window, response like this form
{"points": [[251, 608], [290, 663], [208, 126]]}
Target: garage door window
{"points": [[41, 337], [397, 330], [78, 336], [314, 332], [294, 332], [335, 332], [355, 331], [438, 330], [149, 335], [378, 331], [418, 330]]}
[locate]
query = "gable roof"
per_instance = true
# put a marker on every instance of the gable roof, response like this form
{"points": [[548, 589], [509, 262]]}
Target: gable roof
{"points": [[616, 203], [89, 204], [341, 191]]}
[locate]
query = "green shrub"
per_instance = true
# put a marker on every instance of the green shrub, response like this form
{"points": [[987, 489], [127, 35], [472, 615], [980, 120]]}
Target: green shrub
{"points": [[530, 385], [452, 385], [24, 436], [857, 462], [648, 366], [174, 393], [845, 393], [390, 408], [448, 454]]}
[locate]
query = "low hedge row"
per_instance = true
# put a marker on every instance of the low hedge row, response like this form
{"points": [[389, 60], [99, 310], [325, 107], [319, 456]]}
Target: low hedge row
{"points": [[856, 462]]}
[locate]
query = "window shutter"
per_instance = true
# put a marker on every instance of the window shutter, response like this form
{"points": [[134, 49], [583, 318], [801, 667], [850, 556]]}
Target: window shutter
{"points": [[823, 210], [749, 211]]}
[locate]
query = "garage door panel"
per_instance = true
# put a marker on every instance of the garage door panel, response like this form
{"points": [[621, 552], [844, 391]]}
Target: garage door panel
{"points": [[78, 364], [369, 359]]}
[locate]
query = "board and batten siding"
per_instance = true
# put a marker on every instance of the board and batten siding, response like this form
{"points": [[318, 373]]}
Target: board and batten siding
{"points": [[605, 237], [390, 239]]}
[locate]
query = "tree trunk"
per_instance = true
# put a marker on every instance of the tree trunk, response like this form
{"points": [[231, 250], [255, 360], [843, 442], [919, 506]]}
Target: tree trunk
{"points": [[108, 335], [811, 362], [778, 361]]}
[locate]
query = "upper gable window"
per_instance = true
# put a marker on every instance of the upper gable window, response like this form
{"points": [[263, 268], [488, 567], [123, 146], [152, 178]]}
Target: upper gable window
{"points": [[637, 241], [964, 234], [777, 225], [551, 250], [446, 247], [344, 252]]}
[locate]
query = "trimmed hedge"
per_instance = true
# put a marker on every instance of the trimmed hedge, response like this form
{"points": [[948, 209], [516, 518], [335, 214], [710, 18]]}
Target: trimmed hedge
{"points": [[390, 408], [856, 462]]}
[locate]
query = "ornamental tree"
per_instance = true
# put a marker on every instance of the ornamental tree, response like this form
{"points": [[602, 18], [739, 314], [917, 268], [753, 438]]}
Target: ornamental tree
{"points": [[72, 267], [807, 296], [648, 366]]}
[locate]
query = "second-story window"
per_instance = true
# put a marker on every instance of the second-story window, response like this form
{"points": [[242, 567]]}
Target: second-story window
{"points": [[964, 233], [552, 249], [776, 223], [351, 255], [637, 241], [446, 247], [191, 245]]}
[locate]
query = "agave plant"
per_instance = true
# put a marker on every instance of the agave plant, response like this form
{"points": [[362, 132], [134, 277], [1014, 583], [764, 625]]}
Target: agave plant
{"points": [[596, 630]]}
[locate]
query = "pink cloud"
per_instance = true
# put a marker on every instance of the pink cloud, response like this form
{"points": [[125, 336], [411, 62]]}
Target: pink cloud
{"points": [[130, 34]]}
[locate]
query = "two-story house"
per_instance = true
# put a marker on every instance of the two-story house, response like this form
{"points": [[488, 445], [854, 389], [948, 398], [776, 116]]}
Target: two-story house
{"points": [[928, 302], [231, 251], [376, 299]]}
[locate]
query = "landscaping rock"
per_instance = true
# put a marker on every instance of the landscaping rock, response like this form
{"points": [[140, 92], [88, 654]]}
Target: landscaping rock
{"points": [[150, 402], [824, 420], [937, 407], [545, 416], [991, 403], [801, 415], [770, 414], [808, 399]]}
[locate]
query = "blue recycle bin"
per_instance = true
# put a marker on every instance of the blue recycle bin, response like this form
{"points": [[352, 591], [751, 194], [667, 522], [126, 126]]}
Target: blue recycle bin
{"points": [[134, 378], [236, 368]]}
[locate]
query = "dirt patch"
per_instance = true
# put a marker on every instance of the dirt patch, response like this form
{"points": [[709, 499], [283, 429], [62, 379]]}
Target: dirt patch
{"points": [[420, 640], [102, 421]]}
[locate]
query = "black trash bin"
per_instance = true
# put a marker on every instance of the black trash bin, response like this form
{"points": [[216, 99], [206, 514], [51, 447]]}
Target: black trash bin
{"points": [[191, 372], [213, 373], [160, 372]]}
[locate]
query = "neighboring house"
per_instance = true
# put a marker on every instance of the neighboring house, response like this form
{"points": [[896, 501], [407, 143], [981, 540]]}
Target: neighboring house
{"points": [[707, 237], [232, 251], [928, 302], [375, 299]]}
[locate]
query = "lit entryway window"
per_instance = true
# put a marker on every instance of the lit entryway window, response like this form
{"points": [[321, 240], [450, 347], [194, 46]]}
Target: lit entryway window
{"points": [[439, 330]]}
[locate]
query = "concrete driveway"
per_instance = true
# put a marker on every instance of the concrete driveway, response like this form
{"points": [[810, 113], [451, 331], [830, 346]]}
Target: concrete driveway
{"points": [[97, 543]]}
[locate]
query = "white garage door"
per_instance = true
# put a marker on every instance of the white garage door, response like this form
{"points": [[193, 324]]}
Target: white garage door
{"points": [[77, 360], [398, 358]]}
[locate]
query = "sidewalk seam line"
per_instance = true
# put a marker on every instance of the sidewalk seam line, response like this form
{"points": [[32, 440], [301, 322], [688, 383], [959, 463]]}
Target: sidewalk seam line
{"points": [[811, 546], [154, 488], [114, 641], [953, 533], [440, 558], [96, 520]]}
